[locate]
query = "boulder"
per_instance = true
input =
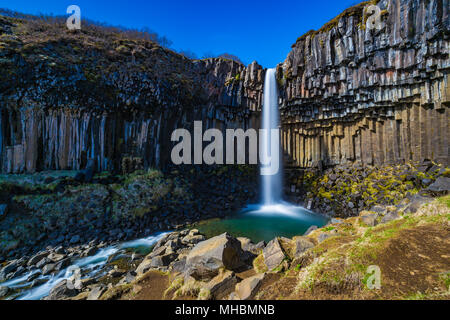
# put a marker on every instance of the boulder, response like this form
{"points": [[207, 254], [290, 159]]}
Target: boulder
{"points": [[144, 266], [48, 269], [96, 292], [247, 288], [3, 291], [207, 257], [193, 239], [61, 291], [163, 261], [301, 245], [440, 186], [62, 264], [179, 265], [390, 217], [37, 257], [368, 218], [11, 267], [222, 284], [273, 254]]}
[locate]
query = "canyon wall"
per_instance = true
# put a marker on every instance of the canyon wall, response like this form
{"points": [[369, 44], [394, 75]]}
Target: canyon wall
{"points": [[348, 93], [352, 93], [69, 99]]}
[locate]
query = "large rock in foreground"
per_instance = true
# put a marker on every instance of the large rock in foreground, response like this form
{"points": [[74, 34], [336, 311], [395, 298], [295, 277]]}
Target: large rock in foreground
{"points": [[273, 254], [207, 257]]}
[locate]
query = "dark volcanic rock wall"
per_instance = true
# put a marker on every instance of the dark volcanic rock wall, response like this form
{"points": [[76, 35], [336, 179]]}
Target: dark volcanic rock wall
{"points": [[67, 98], [350, 93]]}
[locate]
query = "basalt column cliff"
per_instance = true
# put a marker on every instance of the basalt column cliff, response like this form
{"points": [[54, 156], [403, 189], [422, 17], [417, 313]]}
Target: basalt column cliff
{"points": [[73, 99], [352, 93]]}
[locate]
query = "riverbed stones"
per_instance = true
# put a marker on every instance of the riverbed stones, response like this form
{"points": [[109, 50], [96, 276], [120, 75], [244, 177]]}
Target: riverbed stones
{"points": [[47, 269], [8, 269], [273, 254], [207, 257], [37, 257], [247, 288], [4, 291], [61, 291]]}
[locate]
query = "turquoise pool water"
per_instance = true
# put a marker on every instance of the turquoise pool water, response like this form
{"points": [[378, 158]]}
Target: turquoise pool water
{"points": [[259, 222]]}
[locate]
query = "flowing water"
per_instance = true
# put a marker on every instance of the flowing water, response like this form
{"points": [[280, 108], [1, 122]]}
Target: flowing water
{"points": [[271, 184], [272, 217], [89, 267]]}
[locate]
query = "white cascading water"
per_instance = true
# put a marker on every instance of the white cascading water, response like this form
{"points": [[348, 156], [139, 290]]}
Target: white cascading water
{"points": [[271, 184]]}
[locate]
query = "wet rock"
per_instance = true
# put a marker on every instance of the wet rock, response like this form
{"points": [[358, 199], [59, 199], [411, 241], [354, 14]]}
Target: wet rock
{"points": [[273, 254], [8, 269], [43, 262], [4, 291], [61, 291], [62, 264], [37, 282], [47, 269], [247, 288], [207, 257]]}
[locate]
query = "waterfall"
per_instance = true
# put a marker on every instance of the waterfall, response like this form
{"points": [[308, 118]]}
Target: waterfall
{"points": [[271, 184]]}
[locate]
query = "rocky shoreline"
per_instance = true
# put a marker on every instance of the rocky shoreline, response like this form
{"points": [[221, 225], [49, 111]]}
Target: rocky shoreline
{"points": [[49, 256], [54, 209], [224, 267]]}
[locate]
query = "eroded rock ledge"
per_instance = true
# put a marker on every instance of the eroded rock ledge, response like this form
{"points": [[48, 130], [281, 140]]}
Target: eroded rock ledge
{"points": [[350, 93]]}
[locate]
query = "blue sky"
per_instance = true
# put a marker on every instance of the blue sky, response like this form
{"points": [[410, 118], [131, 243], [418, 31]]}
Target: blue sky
{"points": [[253, 30]]}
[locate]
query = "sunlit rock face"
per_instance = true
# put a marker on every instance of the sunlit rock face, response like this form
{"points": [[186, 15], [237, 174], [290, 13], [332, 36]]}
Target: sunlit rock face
{"points": [[74, 97], [350, 93]]}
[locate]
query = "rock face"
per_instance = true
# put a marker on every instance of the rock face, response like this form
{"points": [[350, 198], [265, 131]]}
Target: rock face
{"points": [[354, 93], [349, 93], [118, 109], [207, 257]]}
